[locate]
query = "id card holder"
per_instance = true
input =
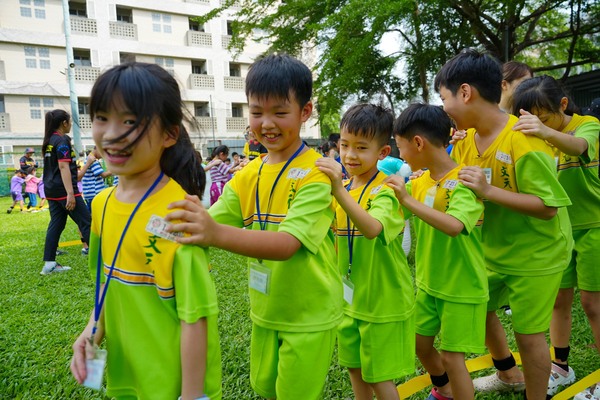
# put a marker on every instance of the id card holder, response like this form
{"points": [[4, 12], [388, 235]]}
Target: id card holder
{"points": [[348, 290], [488, 175], [430, 196], [95, 369], [260, 278]]}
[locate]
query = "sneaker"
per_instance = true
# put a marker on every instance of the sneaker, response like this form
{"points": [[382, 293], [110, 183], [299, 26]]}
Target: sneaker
{"points": [[591, 393], [493, 383], [559, 377], [9, 210], [60, 252], [56, 268], [435, 395], [85, 252]]}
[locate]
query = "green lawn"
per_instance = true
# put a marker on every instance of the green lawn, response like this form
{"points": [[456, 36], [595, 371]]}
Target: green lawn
{"points": [[40, 317]]}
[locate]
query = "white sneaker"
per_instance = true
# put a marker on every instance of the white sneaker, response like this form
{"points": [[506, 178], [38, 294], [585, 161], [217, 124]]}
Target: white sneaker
{"points": [[591, 393], [493, 383], [559, 377], [55, 268]]}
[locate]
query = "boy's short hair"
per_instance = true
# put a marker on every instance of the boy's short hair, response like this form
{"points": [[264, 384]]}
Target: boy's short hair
{"points": [[234, 154], [475, 68], [278, 75], [369, 120], [424, 120]]}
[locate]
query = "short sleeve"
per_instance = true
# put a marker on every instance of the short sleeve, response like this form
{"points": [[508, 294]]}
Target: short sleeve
{"points": [[63, 150], [385, 208], [465, 207], [227, 210], [589, 132], [536, 175]]}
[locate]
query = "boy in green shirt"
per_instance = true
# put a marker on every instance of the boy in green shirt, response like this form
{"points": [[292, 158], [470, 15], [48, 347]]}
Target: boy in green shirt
{"points": [[284, 203], [452, 280], [376, 339], [526, 235]]}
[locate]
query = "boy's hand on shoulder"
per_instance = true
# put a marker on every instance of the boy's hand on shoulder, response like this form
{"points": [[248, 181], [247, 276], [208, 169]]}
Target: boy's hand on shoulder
{"points": [[473, 177], [416, 174], [333, 170], [396, 182], [457, 136], [189, 216], [530, 124]]}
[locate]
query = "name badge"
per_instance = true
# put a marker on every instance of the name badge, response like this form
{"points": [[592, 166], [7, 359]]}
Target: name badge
{"points": [[488, 175], [376, 189], [348, 290], [260, 278], [297, 173], [502, 156], [450, 184], [157, 226], [95, 369]]}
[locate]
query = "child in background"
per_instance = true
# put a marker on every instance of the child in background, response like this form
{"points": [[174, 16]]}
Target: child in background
{"points": [[376, 339], [16, 189], [545, 111], [93, 178], [284, 203], [513, 73], [219, 172], [31, 187], [42, 194], [161, 310], [452, 280], [516, 174]]}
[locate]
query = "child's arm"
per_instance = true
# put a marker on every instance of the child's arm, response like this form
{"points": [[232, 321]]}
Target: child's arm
{"points": [[205, 231], [365, 223], [530, 124], [439, 220], [193, 358], [528, 204]]}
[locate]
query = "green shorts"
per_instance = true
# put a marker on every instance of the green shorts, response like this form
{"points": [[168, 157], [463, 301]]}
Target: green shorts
{"points": [[383, 351], [461, 326], [583, 270], [531, 299], [290, 365]]}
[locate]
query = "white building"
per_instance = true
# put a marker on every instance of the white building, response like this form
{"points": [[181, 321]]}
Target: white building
{"points": [[33, 64]]}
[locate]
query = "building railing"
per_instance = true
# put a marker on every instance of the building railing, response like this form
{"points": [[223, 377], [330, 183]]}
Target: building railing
{"points": [[85, 122], [234, 83], [207, 2], [124, 30], [89, 74], [237, 124], [225, 40], [202, 39], [207, 123], [82, 25], [201, 81], [4, 122]]}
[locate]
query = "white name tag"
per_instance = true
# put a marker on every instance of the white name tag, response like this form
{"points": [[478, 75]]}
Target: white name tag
{"points": [[260, 277], [450, 184], [376, 189], [502, 156], [348, 290], [157, 226], [95, 370], [297, 173], [488, 175]]}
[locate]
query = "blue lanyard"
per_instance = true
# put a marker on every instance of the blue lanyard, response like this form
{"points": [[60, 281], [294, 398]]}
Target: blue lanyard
{"points": [[351, 232], [99, 301], [261, 223]]}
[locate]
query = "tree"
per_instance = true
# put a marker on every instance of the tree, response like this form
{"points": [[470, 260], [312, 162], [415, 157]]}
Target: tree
{"points": [[552, 36]]}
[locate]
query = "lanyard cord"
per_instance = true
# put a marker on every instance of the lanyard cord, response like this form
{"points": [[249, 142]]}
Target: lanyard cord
{"points": [[351, 231], [99, 301], [261, 223]]}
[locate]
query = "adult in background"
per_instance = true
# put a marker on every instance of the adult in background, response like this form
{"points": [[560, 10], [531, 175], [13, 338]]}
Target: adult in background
{"points": [[27, 160], [60, 185]]}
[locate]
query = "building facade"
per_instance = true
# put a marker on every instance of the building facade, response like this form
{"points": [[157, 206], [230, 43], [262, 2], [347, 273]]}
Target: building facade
{"points": [[104, 33]]}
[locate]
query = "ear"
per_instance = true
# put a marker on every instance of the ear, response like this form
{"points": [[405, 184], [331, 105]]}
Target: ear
{"points": [[171, 136], [384, 151], [306, 111], [465, 92], [504, 84], [564, 102], [419, 142]]}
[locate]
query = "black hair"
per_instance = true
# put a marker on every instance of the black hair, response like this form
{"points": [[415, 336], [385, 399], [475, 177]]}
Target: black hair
{"points": [[369, 120], [475, 68], [424, 120], [278, 76], [218, 150], [334, 137], [541, 93], [53, 119], [150, 92], [234, 154], [327, 146]]}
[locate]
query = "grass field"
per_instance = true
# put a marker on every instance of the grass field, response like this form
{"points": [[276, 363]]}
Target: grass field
{"points": [[40, 317]]}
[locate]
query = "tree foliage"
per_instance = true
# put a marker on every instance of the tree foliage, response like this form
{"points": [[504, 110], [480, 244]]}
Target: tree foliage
{"points": [[346, 36]]}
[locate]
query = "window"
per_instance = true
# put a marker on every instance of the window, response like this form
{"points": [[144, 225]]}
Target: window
{"points": [[199, 67], [33, 7], [230, 28], [165, 62], [84, 107], [161, 22], [82, 58], [39, 106], [35, 54], [201, 109], [195, 26], [77, 9], [237, 110], [126, 57], [124, 15], [235, 69], [2, 106]]}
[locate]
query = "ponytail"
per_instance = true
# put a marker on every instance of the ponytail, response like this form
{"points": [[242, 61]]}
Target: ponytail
{"points": [[53, 119]]}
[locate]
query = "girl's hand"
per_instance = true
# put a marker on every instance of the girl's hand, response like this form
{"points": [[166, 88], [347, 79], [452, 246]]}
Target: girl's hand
{"points": [[397, 183], [473, 177], [457, 136], [82, 350], [530, 124], [195, 221], [332, 169]]}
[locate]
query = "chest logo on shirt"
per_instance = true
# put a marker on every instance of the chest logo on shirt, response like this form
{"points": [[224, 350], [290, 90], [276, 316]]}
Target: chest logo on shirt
{"points": [[297, 173], [503, 157], [152, 248]]}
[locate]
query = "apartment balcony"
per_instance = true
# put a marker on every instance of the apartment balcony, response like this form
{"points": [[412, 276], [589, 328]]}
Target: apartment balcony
{"points": [[205, 2], [87, 74], [234, 83], [234, 6], [201, 81], [4, 122], [225, 40], [83, 26], [85, 122], [236, 124], [207, 123], [123, 30], [201, 39]]}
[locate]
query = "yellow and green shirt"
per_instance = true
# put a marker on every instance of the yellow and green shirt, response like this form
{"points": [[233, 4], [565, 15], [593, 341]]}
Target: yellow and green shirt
{"points": [[156, 284], [305, 291]]}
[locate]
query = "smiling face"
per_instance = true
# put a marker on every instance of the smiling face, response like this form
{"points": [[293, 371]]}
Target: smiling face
{"points": [[409, 151], [453, 106], [276, 123], [360, 155]]}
